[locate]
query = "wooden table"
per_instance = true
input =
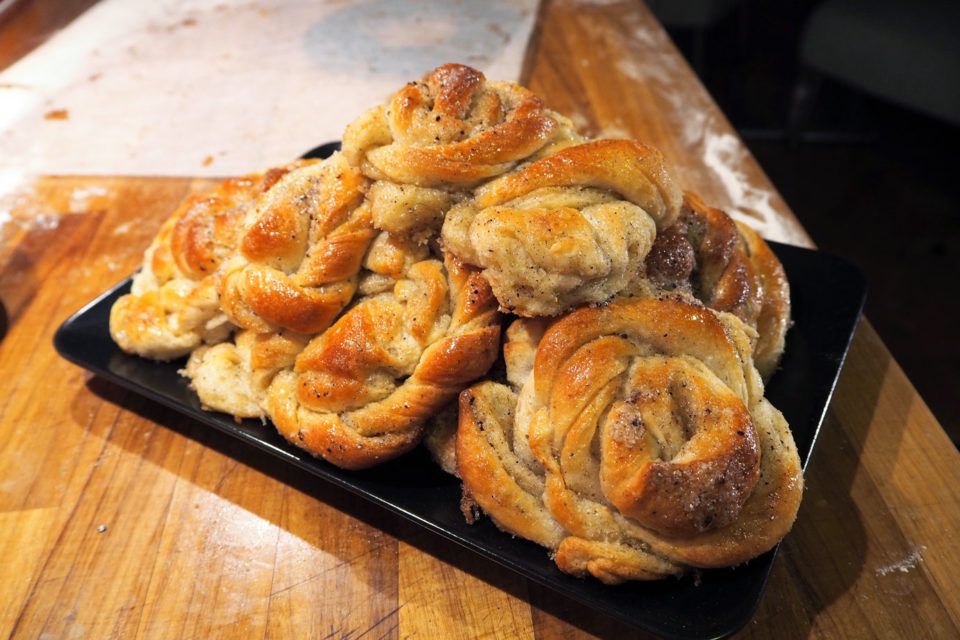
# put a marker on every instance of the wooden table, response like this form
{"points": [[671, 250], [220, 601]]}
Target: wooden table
{"points": [[121, 519]]}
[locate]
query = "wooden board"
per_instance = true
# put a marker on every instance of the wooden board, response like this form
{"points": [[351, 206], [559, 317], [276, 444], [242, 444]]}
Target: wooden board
{"points": [[121, 519]]}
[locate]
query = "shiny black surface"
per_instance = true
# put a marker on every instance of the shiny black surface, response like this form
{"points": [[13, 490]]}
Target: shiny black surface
{"points": [[827, 295]]}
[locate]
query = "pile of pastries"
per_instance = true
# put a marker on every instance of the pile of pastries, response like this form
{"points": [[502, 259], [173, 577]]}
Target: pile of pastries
{"points": [[357, 304]]}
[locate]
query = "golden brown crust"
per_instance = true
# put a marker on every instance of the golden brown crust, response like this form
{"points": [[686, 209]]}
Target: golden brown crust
{"points": [[174, 303], [207, 233], [301, 250], [773, 318], [362, 391], [720, 463], [452, 128], [571, 228], [707, 256], [629, 168], [439, 137], [233, 376], [655, 448], [634, 443], [493, 475]]}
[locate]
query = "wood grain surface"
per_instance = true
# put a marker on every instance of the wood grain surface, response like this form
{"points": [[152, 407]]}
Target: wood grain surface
{"points": [[122, 519]]}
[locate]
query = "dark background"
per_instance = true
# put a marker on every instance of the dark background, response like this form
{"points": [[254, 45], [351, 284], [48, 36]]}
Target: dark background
{"points": [[870, 181]]}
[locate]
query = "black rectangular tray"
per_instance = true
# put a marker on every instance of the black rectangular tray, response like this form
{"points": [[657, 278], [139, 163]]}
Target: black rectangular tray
{"points": [[827, 294]]}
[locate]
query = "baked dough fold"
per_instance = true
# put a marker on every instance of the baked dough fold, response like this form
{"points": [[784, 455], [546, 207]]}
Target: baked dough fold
{"points": [[234, 376], [301, 249], [639, 444], [439, 137], [726, 265], [568, 229], [173, 306], [362, 391]]}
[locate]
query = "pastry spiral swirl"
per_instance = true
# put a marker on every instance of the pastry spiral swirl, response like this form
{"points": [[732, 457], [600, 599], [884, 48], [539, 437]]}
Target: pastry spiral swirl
{"points": [[640, 444], [568, 229], [451, 128], [729, 267], [173, 305], [362, 391], [443, 135], [301, 250], [234, 376], [632, 439]]}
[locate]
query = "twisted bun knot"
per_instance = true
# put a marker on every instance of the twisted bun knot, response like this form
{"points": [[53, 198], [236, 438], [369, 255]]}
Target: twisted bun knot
{"points": [[729, 267], [361, 392], [173, 305], [640, 444], [568, 229], [233, 376], [451, 128], [301, 250], [441, 136]]}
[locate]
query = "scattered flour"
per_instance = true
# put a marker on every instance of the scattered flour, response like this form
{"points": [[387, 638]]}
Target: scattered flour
{"points": [[123, 229], [723, 153], [914, 558], [691, 115], [45, 222], [11, 183], [80, 198]]}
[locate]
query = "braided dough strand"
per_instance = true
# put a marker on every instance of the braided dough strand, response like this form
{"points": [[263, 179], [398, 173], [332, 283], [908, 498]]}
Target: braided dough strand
{"points": [[640, 444], [773, 317], [707, 256], [441, 136], [629, 168], [362, 391], [173, 305], [233, 376], [301, 250], [568, 229], [451, 128]]}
